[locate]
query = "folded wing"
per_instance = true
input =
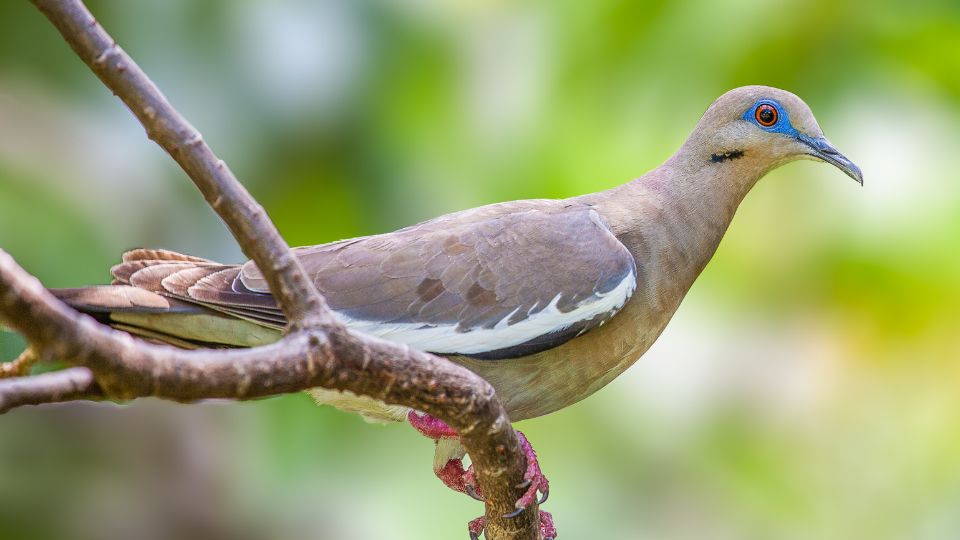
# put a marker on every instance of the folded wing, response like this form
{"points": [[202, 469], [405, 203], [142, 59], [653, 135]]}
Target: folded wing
{"points": [[495, 282]]}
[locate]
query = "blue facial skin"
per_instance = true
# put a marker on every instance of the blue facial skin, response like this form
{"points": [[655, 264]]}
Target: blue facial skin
{"points": [[820, 147], [783, 119], [783, 124]]}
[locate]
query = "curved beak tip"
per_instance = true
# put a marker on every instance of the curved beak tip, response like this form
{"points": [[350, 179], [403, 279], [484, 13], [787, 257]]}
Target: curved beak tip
{"points": [[854, 172], [848, 167], [824, 151]]}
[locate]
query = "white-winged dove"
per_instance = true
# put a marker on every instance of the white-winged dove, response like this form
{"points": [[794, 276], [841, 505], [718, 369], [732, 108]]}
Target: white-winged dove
{"points": [[549, 300]]}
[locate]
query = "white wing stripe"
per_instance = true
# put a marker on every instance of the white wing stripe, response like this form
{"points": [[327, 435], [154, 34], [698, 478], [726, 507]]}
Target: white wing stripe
{"points": [[446, 339]]}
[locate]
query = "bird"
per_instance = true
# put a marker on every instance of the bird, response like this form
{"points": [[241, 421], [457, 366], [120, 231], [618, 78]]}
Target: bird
{"points": [[547, 299]]}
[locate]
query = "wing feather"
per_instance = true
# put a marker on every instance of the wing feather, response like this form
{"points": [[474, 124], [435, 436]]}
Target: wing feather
{"points": [[494, 282], [481, 282]]}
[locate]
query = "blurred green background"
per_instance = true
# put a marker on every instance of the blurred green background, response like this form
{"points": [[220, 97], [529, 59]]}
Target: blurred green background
{"points": [[808, 387]]}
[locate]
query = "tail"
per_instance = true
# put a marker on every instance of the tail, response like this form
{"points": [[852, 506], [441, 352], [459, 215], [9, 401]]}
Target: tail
{"points": [[188, 302], [143, 301]]}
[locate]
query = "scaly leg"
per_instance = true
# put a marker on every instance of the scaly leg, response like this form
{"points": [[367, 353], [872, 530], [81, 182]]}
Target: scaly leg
{"points": [[448, 466], [547, 529]]}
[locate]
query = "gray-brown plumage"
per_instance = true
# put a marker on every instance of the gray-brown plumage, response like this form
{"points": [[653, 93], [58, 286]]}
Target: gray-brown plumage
{"points": [[549, 300]]}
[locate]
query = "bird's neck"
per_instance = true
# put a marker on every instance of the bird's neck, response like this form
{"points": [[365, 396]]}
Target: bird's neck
{"points": [[673, 218]]}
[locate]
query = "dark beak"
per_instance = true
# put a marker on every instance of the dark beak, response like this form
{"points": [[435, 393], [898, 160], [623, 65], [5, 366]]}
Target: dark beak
{"points": [[823, 150]]}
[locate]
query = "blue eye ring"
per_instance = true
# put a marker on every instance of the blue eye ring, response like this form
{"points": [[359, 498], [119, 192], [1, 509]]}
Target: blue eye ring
{"points": [[766, 115], [781, 120]]}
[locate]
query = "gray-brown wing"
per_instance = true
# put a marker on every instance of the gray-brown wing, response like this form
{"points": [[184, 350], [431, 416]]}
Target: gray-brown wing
{"points": [[494, 282]]}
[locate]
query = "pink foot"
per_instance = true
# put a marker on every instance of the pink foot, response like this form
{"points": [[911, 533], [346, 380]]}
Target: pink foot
{"points": [[431, 427], [475, 527], [547, 529], [533, 480], [454, 476]]}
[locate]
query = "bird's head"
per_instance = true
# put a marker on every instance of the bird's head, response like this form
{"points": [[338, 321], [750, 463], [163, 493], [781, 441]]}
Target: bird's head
{"points": [[769, 127]]}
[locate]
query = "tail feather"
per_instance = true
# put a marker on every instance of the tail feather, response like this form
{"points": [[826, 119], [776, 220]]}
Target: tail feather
{"points": [[124, 272], [179, 282], [122, 298], [219, 288], [188, 302], [166, 297], [156, 337], [151, 277], [144, 254], [181, 300]]}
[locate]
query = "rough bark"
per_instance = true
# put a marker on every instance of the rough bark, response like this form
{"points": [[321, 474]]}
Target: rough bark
{"points": [[315, 351]]}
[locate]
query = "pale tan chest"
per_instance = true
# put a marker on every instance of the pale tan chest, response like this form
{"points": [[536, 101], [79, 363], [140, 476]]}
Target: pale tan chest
{"points": [[542, 383]]}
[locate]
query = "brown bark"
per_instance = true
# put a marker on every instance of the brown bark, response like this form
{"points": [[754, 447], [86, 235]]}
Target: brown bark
{"points": [[316, 350]]}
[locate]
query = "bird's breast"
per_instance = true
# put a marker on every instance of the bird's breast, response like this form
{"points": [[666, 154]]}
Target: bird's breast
{"points": [[541, 383], [671, 249]]}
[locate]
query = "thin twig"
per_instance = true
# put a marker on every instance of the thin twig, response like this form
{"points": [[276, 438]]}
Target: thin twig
{"points": [[246, 219], [20, 366], [64, 385]]}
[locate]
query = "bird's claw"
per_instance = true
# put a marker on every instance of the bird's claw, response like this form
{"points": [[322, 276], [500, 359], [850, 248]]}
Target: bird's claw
{"points": [[535, 486], [515, 513], [456, 478], [470, 486], [520, 509], [526, 483], [534, 481], [470, 490], [475, 527], [548, 531]]}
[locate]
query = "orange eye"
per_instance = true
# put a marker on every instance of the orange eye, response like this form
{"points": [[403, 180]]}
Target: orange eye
{"points": [[766, 115]]}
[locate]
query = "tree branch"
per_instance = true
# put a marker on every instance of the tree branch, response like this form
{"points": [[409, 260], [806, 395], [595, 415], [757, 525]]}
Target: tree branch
{"points": [[64, 385], [316, 351], [246, 219]]}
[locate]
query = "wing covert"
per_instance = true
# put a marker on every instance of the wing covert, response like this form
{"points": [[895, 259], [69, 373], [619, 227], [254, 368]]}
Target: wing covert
{"points": [[494, 282]]}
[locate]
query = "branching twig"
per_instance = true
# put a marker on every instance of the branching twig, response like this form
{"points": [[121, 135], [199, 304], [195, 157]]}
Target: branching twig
{"points": [[316, 351], [246, 219], [64, 385]]}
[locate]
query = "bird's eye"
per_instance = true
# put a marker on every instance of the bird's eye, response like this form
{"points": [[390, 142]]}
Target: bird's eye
{"points": [[766, 115]]}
